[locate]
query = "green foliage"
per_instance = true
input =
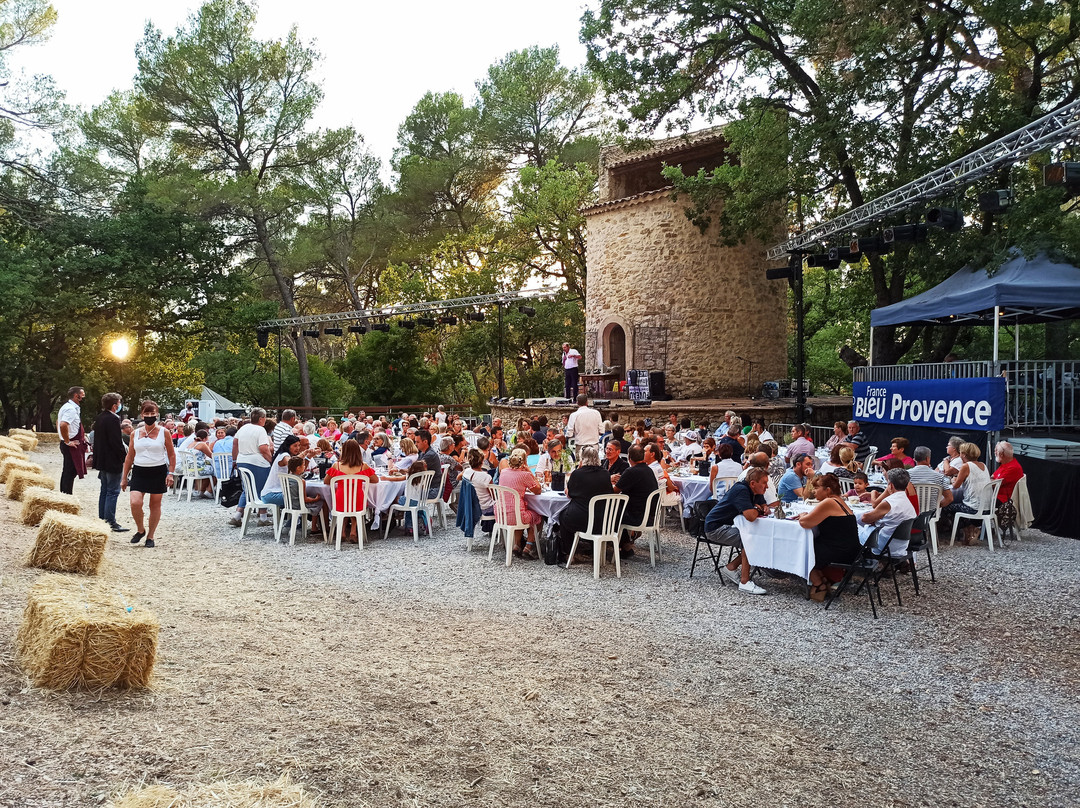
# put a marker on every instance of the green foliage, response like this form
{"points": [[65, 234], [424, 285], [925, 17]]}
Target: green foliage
{"points": [[389, 368]]}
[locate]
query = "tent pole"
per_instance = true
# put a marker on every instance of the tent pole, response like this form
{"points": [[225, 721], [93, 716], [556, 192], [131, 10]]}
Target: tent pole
{"points": [[997, 338], [871, 346], [1016, 336]]}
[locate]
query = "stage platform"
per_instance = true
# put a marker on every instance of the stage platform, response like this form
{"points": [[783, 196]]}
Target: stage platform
{"points": [[826, 409]]}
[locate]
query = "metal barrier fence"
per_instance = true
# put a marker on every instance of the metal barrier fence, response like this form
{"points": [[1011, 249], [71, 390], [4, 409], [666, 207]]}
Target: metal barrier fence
{"points": [[1041, 393], [818, 434]]}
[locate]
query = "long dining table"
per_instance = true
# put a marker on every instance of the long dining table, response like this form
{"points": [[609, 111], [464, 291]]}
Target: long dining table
{"points": [[386, 494]]}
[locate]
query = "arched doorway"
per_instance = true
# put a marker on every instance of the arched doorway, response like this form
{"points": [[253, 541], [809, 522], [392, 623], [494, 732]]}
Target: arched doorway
{"points": [[615, 347]]}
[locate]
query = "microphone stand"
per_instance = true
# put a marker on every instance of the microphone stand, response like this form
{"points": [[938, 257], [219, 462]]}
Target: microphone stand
{"points": [[749, 375]]}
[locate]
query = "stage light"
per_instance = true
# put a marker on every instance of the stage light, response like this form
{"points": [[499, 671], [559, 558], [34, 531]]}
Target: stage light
{"points": [[904, 233], [948, 219], [518, 402], [839, 254], [996, 201], [538, 402], [313, 332], [264, 337], [642, 402], [332, 332], [357, 329], [427, 322], [504, 400], [779, 273], [474, 316], [822, 260], [870, 245], [601, 402], [384, 327], [406, 324], [1067, 174], [528, 311], [448, 319]]}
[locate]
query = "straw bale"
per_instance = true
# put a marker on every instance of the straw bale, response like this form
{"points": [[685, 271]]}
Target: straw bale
{"points": [[17, 454], [7, 465], [50, 438], [27, 443], [282, 793], [8, 443], [69, 543], [77, 634], [19, 481], [36, 501]]}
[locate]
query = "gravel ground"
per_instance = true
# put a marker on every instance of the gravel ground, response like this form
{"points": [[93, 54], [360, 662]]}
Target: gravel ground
{"points": [[422, 675]]}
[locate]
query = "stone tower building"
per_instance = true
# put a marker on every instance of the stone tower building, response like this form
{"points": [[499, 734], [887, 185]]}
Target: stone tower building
{"points": [[662, 296]]}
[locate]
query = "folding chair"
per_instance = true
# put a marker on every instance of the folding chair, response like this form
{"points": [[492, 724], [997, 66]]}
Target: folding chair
{"points": [[701, 510], [650, 526], [345, 489], [863, 565], [604, 530], [293, 490], [254, 504]]}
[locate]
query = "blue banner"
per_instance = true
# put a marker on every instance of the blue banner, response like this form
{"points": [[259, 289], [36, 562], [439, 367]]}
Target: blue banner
{"points": [[949, 403]]}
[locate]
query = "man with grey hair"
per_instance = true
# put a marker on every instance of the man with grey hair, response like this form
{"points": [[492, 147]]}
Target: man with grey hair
{"points": [[922, 473], [857, 441], [892, 508], [284, 428]]}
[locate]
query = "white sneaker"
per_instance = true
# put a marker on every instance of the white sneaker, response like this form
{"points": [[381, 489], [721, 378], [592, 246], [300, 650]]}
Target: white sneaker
{"points": [[734, 575], [751, 588]]}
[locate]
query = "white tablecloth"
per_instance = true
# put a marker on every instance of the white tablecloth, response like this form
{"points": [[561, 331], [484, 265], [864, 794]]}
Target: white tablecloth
{"points": [[386, 494], [783, 544], [694, 488], [548, 504]]}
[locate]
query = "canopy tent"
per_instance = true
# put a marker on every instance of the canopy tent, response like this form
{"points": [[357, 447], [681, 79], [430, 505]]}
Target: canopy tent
{"points": [[1022, 290], [221, 404]]}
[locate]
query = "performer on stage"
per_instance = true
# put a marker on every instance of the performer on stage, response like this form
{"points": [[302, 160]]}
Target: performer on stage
{"points": [[570, 359]]}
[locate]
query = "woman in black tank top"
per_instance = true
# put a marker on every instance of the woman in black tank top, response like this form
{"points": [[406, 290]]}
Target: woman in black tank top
{"points": [[837, 537]]}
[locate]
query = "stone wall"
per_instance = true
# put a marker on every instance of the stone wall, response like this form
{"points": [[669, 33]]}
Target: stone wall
{"points": [[688, 305]]}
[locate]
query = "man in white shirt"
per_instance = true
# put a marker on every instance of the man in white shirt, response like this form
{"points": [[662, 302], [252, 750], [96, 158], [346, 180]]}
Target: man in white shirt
{"points": [[440, 415], [570, 359], [584, 426], [72, 442], [690, 448]]}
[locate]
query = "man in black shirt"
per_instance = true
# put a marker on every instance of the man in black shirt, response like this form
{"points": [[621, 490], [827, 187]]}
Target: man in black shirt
{"points": [[109, 455], [613, 461], [431, 461], [617, 433], [637, 482], [745, 498], [732, 439]]}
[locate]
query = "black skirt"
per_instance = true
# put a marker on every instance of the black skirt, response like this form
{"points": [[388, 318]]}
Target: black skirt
{"points": [[148, 479]]}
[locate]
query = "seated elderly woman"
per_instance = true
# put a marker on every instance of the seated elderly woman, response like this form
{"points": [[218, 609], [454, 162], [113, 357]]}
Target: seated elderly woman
{"points": [[836, 540], [517, 476], [891, 509], [968, 487], [588, 480]]}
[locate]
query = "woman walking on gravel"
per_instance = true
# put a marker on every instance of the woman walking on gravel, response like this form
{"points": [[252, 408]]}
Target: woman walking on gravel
{"points": [[150, 460]]}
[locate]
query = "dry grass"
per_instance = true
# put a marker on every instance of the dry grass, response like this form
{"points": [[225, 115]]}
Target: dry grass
{"points": [[83, 635], [68, 543], [36, 501], [12, 464], [19, 482], [282, 793]]}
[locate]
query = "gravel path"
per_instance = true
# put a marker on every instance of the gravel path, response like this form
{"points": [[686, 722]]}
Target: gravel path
{"points": [[422, 675]]}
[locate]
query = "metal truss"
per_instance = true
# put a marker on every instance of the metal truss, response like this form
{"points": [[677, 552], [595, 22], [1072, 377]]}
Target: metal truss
{"points": [[433, 306], [1047, 131]]}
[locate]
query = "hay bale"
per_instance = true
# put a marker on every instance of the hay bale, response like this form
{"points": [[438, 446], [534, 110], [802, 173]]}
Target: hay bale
{"points": [[282, 793], [50, 438], [13, 464], [16, 454], [19, 481], [36, 501], [69, 543], [77, 634], [11, 446], [25, 442]]}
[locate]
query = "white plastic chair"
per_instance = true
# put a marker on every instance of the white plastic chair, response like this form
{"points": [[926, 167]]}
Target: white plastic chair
{"points": [[718, 493], [437, 506], [650, 525], [846, 484], [294, 489], [986, 515], [253, 504], [611, 507], [349, 488], [868, 464], [223, 470], [930, 500], [188, 464], [507, 519], [416, 503]]}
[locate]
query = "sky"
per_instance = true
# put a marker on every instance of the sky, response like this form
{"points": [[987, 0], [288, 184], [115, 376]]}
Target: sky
{"points": [[379, 58]]}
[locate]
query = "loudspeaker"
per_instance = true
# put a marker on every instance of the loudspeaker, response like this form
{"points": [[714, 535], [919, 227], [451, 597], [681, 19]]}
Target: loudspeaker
{"points": [[657, 385]]}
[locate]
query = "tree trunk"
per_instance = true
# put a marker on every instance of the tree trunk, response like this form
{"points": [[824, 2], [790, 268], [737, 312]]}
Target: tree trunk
{"points": [[262, 232]]}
